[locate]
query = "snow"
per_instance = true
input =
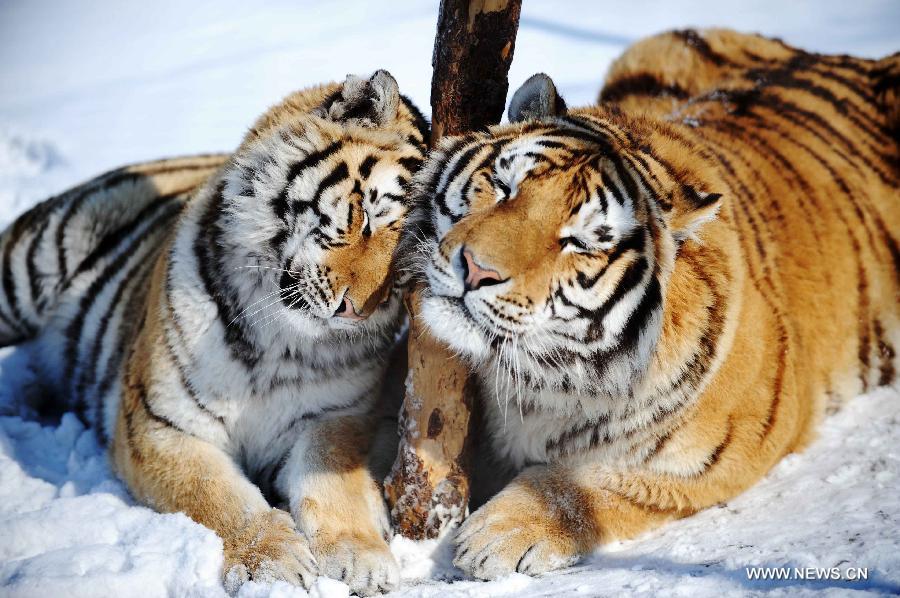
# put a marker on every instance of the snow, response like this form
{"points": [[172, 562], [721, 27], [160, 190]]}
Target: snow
{"points": [[88, 86]]}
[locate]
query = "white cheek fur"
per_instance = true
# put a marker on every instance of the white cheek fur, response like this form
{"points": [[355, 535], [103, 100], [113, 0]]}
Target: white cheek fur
{"points": [[447, 322]]}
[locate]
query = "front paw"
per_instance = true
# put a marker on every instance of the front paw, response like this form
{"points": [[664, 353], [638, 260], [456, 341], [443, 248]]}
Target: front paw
{"points": [[364, 563], [512, 534], [268, 549]]}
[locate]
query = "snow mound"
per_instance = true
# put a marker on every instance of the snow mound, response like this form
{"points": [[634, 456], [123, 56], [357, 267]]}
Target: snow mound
{"points": [[30, 166], [24, 155], [76, 532]]}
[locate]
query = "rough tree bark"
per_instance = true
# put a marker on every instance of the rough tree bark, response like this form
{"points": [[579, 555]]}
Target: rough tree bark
{"points": [[473, 49], [428, 487]]}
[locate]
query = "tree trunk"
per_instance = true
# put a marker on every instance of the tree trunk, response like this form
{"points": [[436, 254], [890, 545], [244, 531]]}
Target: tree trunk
{"points": [[473, 49], [428, 487]]}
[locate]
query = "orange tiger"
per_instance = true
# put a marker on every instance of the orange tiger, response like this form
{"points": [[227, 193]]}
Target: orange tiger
{"points": [[660, 295]]}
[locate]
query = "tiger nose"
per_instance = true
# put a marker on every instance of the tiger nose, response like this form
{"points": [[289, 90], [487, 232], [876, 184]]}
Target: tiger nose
{"points": [[346, 310], [475, 276]]}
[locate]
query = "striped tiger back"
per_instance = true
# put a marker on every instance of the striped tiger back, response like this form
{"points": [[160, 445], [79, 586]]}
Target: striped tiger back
{"points": [[701, 265], [66, 237], [822, 129]]}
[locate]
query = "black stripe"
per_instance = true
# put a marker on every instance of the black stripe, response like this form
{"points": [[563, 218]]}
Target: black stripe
{"points": [[807, 118], [91, 368], [207, 251], [128, 331], [695, 369], [410, 163], [842, 184], [73, 331], [629, 280], [419, 120], [365, 167], [187, 385], [337, 175], [635, 241], [843, 107], [808, 193], [743, 203], [887, 353], [280, 203], [858, 87], [777, 387], [34, 277], [650, 302], [141, 390], [617, 191], [803, 64], [9, 288], [112, 239], [115, 357], [97, 185], [558, 446], [495, 149], [36, 216], [590, 135], [640, 84], [441, 198], [716, 454], [692, 39], [626, 177]]}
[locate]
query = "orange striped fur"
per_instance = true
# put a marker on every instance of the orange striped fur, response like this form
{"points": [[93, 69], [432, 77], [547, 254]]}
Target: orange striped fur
{"points": [[662, 294]]}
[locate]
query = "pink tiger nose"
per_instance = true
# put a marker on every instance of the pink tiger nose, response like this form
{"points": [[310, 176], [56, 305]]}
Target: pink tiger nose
{"points": [[346, 310], [476, 276]]}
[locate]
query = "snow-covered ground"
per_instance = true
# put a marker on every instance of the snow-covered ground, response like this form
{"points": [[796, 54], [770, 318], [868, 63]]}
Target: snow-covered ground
{"points": [[86, 86]]}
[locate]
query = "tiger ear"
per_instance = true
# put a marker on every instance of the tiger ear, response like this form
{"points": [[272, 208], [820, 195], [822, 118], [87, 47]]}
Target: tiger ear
{"points": [[368, 102], [694, 210], [537, 98]]}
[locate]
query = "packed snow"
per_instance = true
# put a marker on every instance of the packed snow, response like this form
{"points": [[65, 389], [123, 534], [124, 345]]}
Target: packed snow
{"points": [[89, 85]]}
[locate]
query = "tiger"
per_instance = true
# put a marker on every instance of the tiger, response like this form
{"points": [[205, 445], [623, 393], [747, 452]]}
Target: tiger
{"points": [[660, 295], [225, 323]]}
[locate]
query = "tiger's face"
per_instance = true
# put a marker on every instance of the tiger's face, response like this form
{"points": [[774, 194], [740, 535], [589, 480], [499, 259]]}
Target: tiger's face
{"points": [[315, 209], [547, 251]]}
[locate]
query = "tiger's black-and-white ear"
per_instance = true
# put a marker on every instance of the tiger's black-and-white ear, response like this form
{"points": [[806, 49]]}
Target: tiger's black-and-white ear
{"points": [[368, 102], [701, 208], [536, 98]]}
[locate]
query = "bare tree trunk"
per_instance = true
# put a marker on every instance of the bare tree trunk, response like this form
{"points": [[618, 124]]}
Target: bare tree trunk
{"points": [[428, 487], [472, 53]]}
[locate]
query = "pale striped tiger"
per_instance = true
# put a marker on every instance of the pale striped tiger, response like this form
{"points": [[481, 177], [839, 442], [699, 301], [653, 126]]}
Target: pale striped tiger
{"points": [[225, 324], [661, 294]]}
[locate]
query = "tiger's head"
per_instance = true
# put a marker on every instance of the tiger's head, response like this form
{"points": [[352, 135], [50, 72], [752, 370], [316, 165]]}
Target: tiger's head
{"points": [[546, 243], [313, 203]]}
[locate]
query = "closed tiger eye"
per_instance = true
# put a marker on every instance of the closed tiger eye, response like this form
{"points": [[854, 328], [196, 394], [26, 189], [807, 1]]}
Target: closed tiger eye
{"points": [[573, 242]]}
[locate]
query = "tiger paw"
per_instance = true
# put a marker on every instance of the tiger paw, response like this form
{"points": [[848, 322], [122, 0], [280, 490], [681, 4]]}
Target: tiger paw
{"points": [[509, 535], [268, 549], [363, 563]]}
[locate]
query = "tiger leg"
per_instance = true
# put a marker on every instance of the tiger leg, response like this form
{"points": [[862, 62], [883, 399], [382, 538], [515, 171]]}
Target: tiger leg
{"points": [[550, 515], [173, 471], [339, 506]]}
